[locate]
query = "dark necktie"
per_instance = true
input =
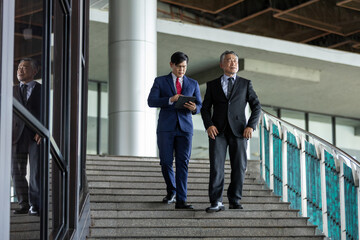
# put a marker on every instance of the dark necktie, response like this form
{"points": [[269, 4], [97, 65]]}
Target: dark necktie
{"points": [[178, 86], [24, 92], [230, 86]]}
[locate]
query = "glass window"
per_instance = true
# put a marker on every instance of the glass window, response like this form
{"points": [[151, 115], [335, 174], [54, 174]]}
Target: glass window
{"points": [[348, 136], [92, 118], [294, 117], [97, 131], [271, 110], [321, 126], [104, 126], [27, 145]]}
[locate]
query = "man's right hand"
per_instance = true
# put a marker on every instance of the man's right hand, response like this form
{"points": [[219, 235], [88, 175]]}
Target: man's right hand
{"points": [[175, 98], [212, 132]]}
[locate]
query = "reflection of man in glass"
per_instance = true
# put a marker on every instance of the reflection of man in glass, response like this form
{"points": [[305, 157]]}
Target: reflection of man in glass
{"points": [[25, 142]]}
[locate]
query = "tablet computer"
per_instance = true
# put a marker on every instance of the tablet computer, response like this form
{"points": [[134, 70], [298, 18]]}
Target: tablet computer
{"points": [[182, 100]]}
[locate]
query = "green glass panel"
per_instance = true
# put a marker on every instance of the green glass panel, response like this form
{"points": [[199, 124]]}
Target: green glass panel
{"points": [[267, 156], [294, 179], [351, 209], [313, 185], [261, 150], [332, 197], [277, 151]]}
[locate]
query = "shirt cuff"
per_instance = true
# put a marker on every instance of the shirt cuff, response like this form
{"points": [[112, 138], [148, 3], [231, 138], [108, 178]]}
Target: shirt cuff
{"points": [[170, 102]]}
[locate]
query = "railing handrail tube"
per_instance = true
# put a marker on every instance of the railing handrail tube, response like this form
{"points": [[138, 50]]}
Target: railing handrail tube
{"points": [[317, 138]]}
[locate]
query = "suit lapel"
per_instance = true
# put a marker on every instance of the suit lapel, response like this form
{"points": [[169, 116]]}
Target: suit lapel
{"points": [[185, 85], [219, 89], [34, 92], [171, 83], [19, 95]]}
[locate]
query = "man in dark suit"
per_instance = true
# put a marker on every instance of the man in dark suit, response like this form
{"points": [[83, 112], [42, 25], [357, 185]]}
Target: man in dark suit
{"points": [[175, 127], [25, 142], [223, 114]]}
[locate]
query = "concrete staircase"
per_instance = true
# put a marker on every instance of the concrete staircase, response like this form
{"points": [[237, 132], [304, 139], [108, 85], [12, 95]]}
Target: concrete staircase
{"points": [[126, 194]]}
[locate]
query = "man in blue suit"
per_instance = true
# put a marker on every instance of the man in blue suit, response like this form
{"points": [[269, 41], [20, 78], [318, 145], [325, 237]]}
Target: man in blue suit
{"points": [[175, 127]]}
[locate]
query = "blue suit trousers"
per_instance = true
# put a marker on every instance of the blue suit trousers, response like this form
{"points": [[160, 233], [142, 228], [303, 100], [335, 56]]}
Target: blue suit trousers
{"points": [[176, 143]]}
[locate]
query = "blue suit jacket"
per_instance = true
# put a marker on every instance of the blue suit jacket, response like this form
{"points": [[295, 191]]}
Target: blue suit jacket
{"points": [[162, 89]]}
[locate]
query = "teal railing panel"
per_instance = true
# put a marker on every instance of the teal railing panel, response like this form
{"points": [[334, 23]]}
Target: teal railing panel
{"points": [[332, 197], [351, 203], [267, 156], [277, 155], [313, 185], [293, 174], [261, 150]]}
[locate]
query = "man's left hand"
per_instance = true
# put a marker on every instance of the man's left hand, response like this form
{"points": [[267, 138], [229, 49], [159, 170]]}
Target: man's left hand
{"points": [[248, 132], [191, 106], [37, 139]]}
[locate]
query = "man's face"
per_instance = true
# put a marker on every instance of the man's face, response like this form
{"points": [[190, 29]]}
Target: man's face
{"points": [[179, 70], [230, 64], [25, 72]]}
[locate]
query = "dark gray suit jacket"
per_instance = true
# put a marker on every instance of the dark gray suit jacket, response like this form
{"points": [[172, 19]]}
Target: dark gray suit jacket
{"points": [[230, 111], [33, 105]]}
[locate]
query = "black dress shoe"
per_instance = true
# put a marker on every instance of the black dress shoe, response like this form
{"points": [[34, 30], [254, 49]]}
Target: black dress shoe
{"points": [[33, 211], [22, 210], [235, 206], [169, 198], [183, 205], [215, 207]]}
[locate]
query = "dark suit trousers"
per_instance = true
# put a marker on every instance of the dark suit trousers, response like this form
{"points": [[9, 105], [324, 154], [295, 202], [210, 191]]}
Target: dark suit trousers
{"points": [[27, 193], [238, 161], [177, 142]]}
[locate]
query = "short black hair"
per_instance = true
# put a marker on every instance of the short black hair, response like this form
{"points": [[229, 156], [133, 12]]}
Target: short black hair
{"points": [[179, 57]]}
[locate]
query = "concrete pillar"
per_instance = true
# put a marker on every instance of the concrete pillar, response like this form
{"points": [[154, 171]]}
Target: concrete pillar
{"points": [[132, 69]]}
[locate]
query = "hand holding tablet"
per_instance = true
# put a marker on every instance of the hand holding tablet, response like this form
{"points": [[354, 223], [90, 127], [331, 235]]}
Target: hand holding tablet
{"points": [[182, 100]]}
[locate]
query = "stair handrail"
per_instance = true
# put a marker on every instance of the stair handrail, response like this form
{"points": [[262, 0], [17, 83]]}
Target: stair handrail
{"points": [[272, 161], [335, 150]]}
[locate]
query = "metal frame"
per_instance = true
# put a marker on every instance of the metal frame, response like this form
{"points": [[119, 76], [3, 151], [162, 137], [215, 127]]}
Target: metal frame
{"points": [[7, 11]]}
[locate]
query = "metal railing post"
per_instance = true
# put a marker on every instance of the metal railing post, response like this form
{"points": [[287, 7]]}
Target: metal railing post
{"points": [[284, 164], [323, 191], [358, 198], [263, 149], [271, 155], [303, 177], [342, 200]]}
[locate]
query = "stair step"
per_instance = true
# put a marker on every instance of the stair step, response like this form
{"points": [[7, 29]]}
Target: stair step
{"points": [[27, 235], [146, 168], [158, 179], [170, 212], [308, 237], [156, 173], [149, 185], [200, 222], [193, 199], [201, 232], [162, 192], [20, 227], [126, 195], [161, 206]]}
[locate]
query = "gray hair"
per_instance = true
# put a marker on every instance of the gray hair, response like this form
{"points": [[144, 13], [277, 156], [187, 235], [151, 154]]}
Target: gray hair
{"points": [[33, 62], [226, 53]]}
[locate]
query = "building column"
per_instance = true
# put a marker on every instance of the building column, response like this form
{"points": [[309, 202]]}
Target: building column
{"points": [[132, 69]]}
